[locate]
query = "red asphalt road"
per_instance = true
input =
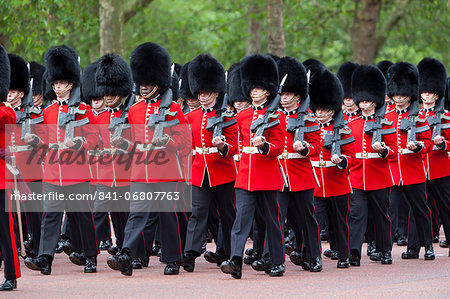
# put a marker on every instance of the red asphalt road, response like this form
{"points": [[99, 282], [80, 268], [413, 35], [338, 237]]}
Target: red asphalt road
{"points": [[403, 279]]}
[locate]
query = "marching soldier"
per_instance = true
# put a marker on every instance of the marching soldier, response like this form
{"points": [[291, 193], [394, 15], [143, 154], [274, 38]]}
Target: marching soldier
{"points": [[68, 178], [413, 140], [8, 246], [213, 168], [150, 66], [344, 74], [259, 177], [370, 174], [432, 85], [297, 199], [92, 96], [332, 168]]}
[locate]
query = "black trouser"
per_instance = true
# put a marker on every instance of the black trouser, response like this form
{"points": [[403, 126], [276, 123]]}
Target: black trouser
{"points": [[440, 188], [101, 220], [246, 204], [81, 223], [300, 212], [431, 203], [398, 212], [322, 217], [213, 221], [168, 222], [118, 209], [337, 212], [8, 246], [419, 228], [363, 204], [222, 197], [34, 218]]}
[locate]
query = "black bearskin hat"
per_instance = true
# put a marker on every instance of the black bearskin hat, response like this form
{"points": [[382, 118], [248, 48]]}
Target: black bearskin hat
{"points": [[175, 86], [235, 92], [368, 84], [37, 71], [432, 76], [5, 74], [20, 75], [384, 65], [313, 66], [297, 80], [150, 65], [259, 71], [113, 76], [403, 79], [206, 73], [47, 91], [88, 84], [344, 74], [325, 91], [185, 91], [62, 64]]}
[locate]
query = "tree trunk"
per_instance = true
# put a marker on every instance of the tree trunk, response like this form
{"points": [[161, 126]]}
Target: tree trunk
{"points": [[276, 42], [364, 32], [254, 26], [111, 27]]}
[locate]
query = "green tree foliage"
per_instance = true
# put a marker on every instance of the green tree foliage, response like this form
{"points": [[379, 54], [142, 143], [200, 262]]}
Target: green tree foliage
{"points": [[320, 29]]}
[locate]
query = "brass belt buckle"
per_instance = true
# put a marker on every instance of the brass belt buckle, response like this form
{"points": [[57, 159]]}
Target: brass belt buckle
{"points": [[205, 150], [365, 155], [322, 163], [284, 155]]}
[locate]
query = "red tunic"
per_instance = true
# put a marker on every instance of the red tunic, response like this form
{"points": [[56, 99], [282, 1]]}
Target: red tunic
{"points": [[7, 117], [112, 167], [29, 164], [333, 181], [258, 172], [348, 117], [437, 162], [220, 169], [408, 168], [162, 165], [68, 166], [298, 171], [369, 171]]}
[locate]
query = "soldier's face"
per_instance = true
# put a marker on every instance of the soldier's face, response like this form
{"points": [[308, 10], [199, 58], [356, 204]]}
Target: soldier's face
{"points": [[37, 100], [348, 102], [368, 107], [148, 91], [324, 115], [387, 99], [112, 101], [241, 105], [259, 95], [60, 86], [193, 103], [14, 97], [429, 97], [289, 99], [401, 100], [207, 99], [98, 104]]}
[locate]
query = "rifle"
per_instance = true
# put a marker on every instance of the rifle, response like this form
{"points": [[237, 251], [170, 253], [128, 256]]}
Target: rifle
{"points": [[260, 125], [297, 124], [24, 117], [68, 120], [435, 121], [118, 124], [410, 124], [334, 141], [217, 123], [376, 127]]}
